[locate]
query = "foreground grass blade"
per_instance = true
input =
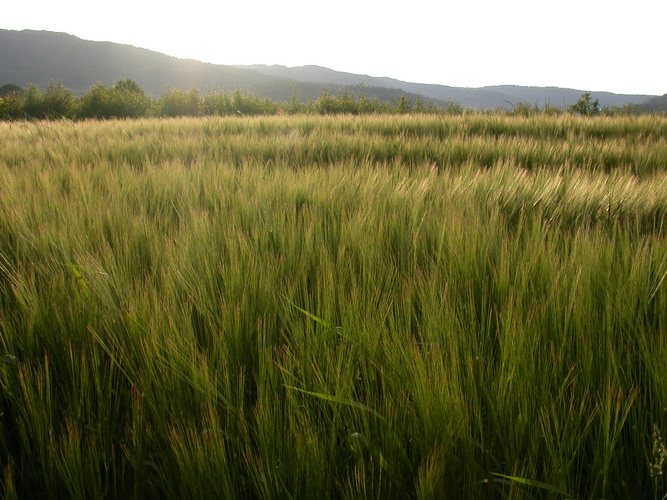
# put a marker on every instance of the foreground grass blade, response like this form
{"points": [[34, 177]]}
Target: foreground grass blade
{"points": [[336, 400], [534, 484]]}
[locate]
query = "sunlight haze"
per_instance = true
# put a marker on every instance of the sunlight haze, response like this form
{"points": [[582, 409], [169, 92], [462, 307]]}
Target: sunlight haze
{"points": [[594, 45]]}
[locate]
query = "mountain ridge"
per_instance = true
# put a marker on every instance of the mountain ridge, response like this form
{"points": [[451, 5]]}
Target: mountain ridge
{"points": [[493, 96], [38, 57]]}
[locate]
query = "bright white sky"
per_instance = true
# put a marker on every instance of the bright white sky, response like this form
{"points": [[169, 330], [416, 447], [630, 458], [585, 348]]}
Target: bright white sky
{"points": [[611, 45]]}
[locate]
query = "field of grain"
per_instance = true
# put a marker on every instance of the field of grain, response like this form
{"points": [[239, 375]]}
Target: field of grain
{"points": [[334, 307]]}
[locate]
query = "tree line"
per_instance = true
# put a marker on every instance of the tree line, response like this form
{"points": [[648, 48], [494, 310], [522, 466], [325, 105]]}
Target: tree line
{"points": [[127, 99]]}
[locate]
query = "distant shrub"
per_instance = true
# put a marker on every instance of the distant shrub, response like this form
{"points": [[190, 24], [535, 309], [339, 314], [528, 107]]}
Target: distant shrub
{"points": [[366, 104], [453, 108], [56, 101], [402, 105], [96, 102], [625, 110], [248, 104], [295, 104], [347, 103], [176, 102], [11, 102], [551, 110], [419, 105], [327, 104], [9, 89], [217, 103], [525, 109], [586, 105], [126, 99], [238, 103], [33, 102]]}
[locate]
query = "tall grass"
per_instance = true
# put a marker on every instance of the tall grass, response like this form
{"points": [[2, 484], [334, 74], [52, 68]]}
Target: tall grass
{"points": [[342, 307]]}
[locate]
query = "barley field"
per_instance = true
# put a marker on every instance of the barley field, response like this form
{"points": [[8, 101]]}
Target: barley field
{"points": [[334, 307]]}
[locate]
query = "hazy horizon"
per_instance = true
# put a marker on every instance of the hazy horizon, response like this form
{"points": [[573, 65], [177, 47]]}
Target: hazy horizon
{"points": [[598, 46]]}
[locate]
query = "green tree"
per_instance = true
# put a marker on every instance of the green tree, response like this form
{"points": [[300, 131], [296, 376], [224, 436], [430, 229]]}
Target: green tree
{"points": [[128, 100], [524, 109], [453, 108], [295, 101], [403, 105], [419, 105], [10, 107], [11, 102], [174, 102], [326, 103], [33, 102], [217, 103], [249, 104], [96, 103], [58, 101], [586, 105], [9, 89]]}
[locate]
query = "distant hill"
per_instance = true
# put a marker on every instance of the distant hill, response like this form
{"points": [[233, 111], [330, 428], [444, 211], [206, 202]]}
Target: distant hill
{"points": [[561, 97], [656, 104], [41, 56], [28, 57], [469, 97], [502, 96]]}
